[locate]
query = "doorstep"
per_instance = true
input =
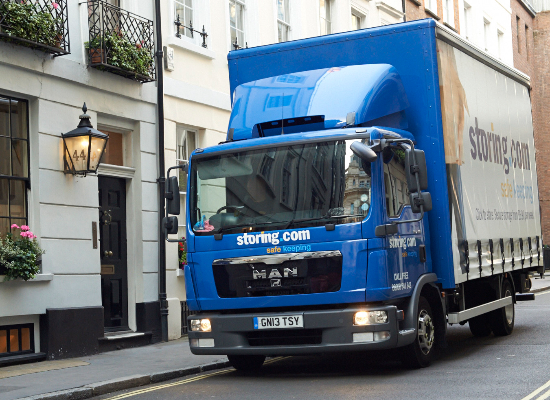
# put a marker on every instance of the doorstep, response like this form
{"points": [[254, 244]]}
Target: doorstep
{"points": [[123, 340], [21, 359]]}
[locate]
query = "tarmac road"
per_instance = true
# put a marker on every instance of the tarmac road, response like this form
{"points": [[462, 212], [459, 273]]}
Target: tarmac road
{"points": [[513, 367]]}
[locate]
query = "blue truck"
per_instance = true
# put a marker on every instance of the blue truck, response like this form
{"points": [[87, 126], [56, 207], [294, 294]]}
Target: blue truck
{"points": [[375, 186]]}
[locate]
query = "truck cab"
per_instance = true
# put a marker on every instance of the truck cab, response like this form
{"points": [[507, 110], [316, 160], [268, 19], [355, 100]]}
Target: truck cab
{"points": [[287, 245]]}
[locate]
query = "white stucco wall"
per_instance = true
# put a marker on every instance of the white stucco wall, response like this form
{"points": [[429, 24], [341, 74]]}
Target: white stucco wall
{"points": [[63, 207]]}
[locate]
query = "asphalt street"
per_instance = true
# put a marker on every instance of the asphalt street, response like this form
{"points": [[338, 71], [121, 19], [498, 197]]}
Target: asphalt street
{"points": [[512, 367]]}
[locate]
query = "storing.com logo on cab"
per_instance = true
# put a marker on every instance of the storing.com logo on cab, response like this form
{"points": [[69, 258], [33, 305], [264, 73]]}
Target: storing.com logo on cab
{"points": [[272, 237]]}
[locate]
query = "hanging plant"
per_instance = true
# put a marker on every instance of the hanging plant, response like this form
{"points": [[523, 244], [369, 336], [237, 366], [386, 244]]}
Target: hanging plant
{"points": [[26, 20], [182, 255], [20, 254], [115, 49]]}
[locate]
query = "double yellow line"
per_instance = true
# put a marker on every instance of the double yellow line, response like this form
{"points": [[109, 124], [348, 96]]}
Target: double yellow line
{"points": [[182, 382]]}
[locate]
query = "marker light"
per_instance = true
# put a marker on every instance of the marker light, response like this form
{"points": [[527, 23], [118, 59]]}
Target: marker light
{"points": [[370, 317], [201, 325]]}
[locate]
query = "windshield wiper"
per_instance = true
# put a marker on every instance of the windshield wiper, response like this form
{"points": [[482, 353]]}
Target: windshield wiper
{"points": [[252, 224], [323, 217]]}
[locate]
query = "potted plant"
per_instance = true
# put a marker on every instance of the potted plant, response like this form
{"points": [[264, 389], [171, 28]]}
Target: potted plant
{"points": [[182, 255], [20, 254], [115, 49], [24, 20]]}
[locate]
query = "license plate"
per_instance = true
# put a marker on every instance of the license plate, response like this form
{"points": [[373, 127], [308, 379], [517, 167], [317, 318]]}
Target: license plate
{"points": [[279, 322]]}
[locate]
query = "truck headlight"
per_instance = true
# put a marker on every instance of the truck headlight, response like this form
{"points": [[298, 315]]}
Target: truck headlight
{"points": [[370, 317], [201, 325]]}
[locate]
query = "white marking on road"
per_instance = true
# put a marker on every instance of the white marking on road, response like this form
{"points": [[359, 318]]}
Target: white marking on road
{"points": [[540, 389], [188, 380]]}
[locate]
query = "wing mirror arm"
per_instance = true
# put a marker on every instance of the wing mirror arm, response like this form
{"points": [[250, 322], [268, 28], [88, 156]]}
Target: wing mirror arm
{"points": [[171, 194]]}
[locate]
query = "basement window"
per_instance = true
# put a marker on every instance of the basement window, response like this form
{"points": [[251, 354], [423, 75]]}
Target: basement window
{"points": [[16, 339]]}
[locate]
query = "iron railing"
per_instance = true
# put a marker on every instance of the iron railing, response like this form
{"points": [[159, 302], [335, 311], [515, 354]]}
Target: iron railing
{"points": [[192, 31], [185, 312], [38, 24], [120, 42]]}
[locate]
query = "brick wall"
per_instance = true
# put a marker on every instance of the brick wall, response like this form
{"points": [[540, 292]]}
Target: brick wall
{"points": [[415, 10], [523, 43], [540, 99]]}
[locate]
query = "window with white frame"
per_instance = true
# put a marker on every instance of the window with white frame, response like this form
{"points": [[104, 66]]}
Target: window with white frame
{"points": [[236, 22], [186, 142], [486, 28], [325, 16], [358, 20], [184, 10], [500, 42], [467, 11], [431, 5], [448, 13], [283, 20]]}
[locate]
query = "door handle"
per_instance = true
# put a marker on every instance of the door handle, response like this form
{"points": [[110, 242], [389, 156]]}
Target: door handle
{"points": [[107, 253], [107, 217]]}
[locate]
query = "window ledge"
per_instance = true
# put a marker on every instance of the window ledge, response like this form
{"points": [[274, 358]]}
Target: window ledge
{"points": [[37, 278], [381, 5], [180, 272], [450, 26], [193, 48], [116, 171], [432, 14]]}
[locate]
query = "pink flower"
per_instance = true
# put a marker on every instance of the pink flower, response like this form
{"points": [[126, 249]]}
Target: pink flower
{"points": [[138, 45], [14, 226], [25, 228], [24, 234], [55, 5]]}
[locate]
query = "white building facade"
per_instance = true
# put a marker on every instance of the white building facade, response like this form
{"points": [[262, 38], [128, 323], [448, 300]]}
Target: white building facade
{"points": [[487, 24], [100, 232]]}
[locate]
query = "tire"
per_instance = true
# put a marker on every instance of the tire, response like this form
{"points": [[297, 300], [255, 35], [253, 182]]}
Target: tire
{"points": [[502, 320], [246, 362], [422, 351], [479, 326]]}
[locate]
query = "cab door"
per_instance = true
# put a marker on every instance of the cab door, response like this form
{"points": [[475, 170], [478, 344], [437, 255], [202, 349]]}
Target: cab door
{"points": [[406, 252]]}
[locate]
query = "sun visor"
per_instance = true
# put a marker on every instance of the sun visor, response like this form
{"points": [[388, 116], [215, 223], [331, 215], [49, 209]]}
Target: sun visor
{"points": [[358, 94]]}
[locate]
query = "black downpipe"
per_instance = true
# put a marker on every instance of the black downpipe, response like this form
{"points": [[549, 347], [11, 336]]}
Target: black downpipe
{"points": [[162, 177], [404, 11]]}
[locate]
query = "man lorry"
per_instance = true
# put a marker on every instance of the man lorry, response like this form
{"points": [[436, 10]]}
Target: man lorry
{"points": [[375, 186]]}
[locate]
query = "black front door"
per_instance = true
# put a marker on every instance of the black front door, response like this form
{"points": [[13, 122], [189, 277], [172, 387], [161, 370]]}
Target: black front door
{"points": [[114, 271]]}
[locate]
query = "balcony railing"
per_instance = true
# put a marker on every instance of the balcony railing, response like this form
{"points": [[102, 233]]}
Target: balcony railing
{"points": [[120, 42], [38, 24]]}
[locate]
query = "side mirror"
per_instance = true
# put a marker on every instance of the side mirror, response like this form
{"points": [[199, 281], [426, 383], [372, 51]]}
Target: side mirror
{"points": [[420, 199], [411, 168], [170, 225], [363, 151], [172, 196]]}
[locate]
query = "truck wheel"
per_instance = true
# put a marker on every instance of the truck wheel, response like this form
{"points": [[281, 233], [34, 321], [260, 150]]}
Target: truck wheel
{"points": [[246, 362], [479, 326], [502, 320], [421, 352]]}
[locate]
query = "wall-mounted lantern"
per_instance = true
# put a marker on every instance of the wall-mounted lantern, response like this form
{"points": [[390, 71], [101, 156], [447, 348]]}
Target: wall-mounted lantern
{"points": [[83, 147]]}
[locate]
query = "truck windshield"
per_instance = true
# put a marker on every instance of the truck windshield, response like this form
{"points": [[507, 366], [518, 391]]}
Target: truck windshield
{"points": [[278, 188]]}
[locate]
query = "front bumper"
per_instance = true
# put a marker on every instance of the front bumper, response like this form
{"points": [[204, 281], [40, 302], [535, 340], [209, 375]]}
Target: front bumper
{"points": [[323, 331]]}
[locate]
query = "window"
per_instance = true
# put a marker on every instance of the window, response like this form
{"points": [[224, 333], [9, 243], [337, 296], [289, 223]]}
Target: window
{"points": [[526, 42], [486, 34], [184, 8], [283, 20], [16, 339], [517, 34], [236, 21], [467, 21], [324, 13], [114, 150], [14, 162], [186, 142], [267, 165], [448, 12], [355, 22], [395, 182], [500, 39], [431, 5], [287, 176]]}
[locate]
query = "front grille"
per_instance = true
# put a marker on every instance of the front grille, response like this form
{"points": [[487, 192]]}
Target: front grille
{"points": [[285, 337], [296, 273]]}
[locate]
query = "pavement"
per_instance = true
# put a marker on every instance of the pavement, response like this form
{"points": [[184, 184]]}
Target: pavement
{"points": [[86, 377]]}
